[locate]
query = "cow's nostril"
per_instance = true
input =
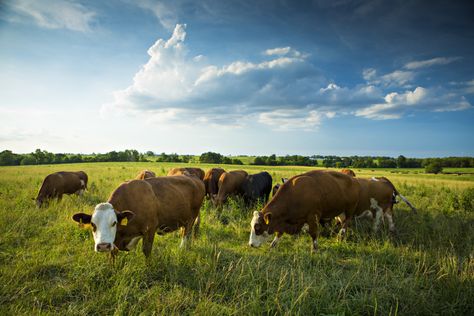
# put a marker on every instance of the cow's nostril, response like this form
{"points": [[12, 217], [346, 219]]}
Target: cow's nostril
{"points": [[104, 247]]}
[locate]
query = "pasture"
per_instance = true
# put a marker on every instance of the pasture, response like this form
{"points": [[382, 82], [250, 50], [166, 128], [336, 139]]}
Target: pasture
{"points": [[47, 264]]}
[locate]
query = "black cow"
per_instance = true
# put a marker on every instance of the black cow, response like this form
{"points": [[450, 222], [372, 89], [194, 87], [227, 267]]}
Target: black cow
{"points": [[256, 186]]}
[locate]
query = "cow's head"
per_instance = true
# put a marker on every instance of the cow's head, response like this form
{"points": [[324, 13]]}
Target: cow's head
{"points": [[278, 185], [259, 229], [104, 221]]}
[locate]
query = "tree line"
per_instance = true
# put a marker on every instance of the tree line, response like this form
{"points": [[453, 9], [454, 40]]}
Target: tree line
{"points": [[38, 157]]}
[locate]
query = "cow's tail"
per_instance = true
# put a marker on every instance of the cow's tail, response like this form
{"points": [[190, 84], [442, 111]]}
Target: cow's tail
{"points": [[396, 193], [404, 199]]}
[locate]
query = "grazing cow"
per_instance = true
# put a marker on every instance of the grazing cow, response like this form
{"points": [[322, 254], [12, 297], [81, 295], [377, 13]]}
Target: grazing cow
{"points": [[211, 180], [376, 199], [59, 183], [198, 172], [278, 185], [305, 199], [349, 172], [257, 186], [154, 205], [229, 183]]}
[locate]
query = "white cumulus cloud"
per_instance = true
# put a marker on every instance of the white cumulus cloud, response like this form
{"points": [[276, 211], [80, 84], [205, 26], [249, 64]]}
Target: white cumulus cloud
{"points": [[284, 91]]}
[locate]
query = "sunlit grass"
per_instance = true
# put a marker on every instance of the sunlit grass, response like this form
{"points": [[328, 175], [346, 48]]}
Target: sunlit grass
{"points": [[47, 264]]}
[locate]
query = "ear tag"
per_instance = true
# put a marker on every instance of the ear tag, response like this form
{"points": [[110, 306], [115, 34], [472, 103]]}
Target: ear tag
{"points": [[82, 225], [267, 221], [124, 221]]}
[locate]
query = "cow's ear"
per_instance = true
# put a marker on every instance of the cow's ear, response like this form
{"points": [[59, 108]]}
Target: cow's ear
{"points": [[283, 180], [125, 216], [84, 220], [267, 217]]}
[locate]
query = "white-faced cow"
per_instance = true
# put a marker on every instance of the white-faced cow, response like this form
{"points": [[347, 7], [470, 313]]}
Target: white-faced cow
{"points": [[305, 199], [59, 183], [142, 208]]}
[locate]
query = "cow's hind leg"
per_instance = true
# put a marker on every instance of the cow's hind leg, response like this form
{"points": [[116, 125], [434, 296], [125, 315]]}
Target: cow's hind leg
{"points": [[378, 214], [389, 216], [345, 225], [186, 235], [197, 223]]}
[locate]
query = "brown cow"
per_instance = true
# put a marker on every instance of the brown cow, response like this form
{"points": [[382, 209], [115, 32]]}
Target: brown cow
{"points": [[349, 172], [198, 172], [229, 183], [211, 180], [376, 199], [145, 174], [59, 183], [154, 205], [305, 199]]}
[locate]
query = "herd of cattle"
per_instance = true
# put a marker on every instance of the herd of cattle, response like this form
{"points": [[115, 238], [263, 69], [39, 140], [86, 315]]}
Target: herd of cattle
{"points": [[149, 205]]}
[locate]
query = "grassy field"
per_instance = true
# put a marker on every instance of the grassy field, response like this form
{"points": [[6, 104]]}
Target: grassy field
{"points": [[47, 264]]}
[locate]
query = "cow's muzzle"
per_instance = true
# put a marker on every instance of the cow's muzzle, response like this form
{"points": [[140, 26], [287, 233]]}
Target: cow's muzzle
{"points": [[104, 247]]}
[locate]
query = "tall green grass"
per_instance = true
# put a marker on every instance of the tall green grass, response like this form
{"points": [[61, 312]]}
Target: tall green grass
{"points": [[47, 264]]}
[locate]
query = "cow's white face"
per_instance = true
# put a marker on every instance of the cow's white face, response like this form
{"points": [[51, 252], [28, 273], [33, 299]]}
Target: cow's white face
{"points": [[104, 227], [104, 221], [258, 234]]}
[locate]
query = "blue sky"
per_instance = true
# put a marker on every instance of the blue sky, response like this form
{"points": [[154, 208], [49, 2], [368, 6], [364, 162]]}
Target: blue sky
{"points": [[238, 77]]}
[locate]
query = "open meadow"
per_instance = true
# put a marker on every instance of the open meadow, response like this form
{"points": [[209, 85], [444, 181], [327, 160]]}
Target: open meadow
{"points": [[48, 266]]}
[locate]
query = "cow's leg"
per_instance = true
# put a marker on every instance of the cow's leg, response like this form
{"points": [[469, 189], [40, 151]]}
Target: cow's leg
{"points": [[186, 235], [378, 214], [147, 244], [345, 225], [197, 223], [276, 240], [313, 231], [389, 216]]}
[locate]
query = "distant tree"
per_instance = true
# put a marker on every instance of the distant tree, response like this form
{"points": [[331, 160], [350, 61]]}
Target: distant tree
{"points": [[434, 167], [28, 160], [150, 153], [387, 163], [259, 161], [236, 161], [211, 157], [401, 161], [7, 158]]}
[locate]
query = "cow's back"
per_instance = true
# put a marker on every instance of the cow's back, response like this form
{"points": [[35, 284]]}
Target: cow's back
{"points": [[231, 181], [257, 186], [325, 193], [160, 200], [198, 172], [71, 182]]}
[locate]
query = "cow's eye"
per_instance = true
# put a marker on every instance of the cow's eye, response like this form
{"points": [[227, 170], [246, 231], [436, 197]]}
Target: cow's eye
{"points": [[94, 228], [114, 223]]}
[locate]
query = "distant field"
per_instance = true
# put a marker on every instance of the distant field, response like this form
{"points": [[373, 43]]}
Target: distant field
{"points": [[47, 264]]}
